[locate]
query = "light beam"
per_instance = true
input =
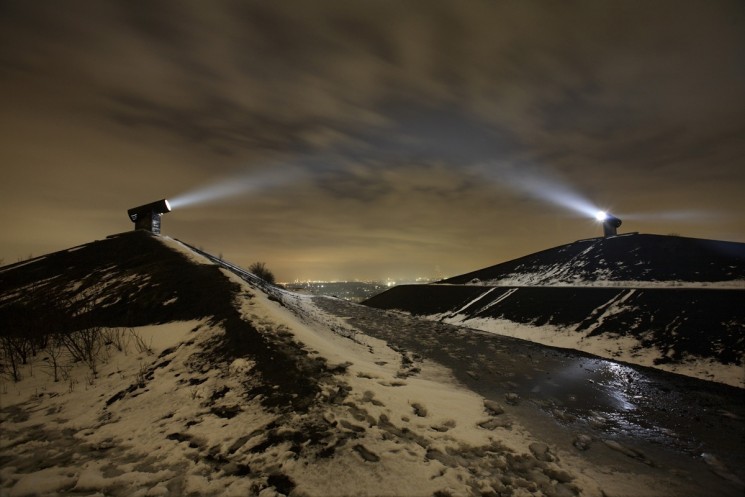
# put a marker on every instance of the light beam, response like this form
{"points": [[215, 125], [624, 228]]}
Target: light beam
{"points": [[540, 184], [245, 183]]}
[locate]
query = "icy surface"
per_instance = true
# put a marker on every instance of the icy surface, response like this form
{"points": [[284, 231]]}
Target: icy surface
{"points": [[617, 347]]}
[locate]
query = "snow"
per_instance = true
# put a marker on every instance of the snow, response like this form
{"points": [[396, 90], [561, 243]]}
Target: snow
{"points": [[610, 308], [406, 436], [617, 347], [44, 482], [553, 278], [377, 387], [184, 250], [470, 303], [74, 405], [163, 417], [75, 249]]}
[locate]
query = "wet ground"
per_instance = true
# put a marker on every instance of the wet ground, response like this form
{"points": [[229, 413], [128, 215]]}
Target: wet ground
{"points": [[630, 418]]}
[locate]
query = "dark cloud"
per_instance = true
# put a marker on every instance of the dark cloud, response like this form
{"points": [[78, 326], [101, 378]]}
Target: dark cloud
{"points": [[417, 125], [220, 125]]}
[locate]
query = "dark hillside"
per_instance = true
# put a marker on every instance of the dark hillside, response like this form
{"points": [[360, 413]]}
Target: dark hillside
{"points": [[133, 279], [124, 280], [632, 257], [679, 322], [663, 301]]}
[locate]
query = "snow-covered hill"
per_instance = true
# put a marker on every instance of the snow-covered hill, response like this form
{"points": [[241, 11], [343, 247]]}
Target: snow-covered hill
{"points": [[630, 260], [662, 301], [206, 381]]}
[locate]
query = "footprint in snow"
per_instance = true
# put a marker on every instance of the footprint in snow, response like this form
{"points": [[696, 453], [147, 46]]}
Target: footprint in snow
{"points": [[419, 409], [366, 454], [394, 383]]}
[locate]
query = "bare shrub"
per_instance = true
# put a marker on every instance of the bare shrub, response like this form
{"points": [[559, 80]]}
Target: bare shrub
{"points": [[141, 376], [54, 350], [140, 344], [20, 347], [259, 269], [13, 348], [119, 338], [84, 346], [65, 370]]}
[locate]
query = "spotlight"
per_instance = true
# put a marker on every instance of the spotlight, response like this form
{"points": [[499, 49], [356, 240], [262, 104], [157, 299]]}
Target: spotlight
{"points": [[610, 223], [147, 217]]}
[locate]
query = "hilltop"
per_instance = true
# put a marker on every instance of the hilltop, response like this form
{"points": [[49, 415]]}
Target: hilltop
{"points": [[631, 260]]}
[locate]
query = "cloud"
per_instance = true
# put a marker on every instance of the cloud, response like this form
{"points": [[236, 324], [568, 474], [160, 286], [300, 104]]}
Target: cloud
{"points": [[413, 123]]}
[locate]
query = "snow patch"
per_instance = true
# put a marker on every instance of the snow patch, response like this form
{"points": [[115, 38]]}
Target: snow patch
{"points": [[551, 277], [610, 346]]}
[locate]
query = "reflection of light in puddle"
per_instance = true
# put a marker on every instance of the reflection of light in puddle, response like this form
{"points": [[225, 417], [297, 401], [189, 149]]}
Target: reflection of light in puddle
{"points": [[594, 384], [604, 397], [615, 386]]}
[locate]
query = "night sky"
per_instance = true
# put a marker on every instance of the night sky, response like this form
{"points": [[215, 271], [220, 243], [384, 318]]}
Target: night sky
{"points": [[371, 139]]}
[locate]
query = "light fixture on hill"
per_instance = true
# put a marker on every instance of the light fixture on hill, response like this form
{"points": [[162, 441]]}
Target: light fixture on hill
{"points": [[610, 223], [147, 217]]}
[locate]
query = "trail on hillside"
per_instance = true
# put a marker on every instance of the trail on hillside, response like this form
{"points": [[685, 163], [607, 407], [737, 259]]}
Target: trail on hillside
{"points": [[637, 418]]}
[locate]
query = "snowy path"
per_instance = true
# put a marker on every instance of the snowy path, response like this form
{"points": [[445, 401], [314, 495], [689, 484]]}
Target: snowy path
{"points": [[635, 419]]}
